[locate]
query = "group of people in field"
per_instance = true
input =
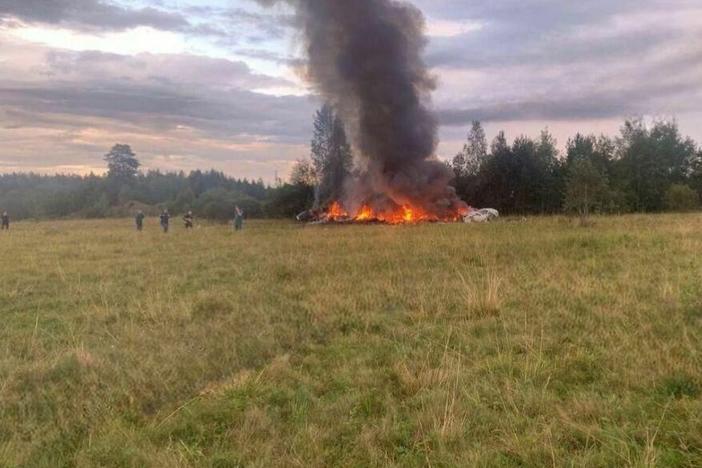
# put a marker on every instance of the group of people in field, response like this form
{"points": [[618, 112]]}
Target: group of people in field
{"points": [[188, 220], [164, 218]]}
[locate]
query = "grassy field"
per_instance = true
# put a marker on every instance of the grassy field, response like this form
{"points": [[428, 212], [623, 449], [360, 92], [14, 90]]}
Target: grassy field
{"points": [[510, 344]]}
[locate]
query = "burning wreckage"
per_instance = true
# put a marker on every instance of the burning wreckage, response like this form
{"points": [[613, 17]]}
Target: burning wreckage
{"points": [[336, 214], [365, 58]]}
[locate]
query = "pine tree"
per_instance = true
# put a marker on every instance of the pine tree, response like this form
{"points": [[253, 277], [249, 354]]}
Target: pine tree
{"points": [[475, 151], [468, 161], [122, 163], [331, 155]]}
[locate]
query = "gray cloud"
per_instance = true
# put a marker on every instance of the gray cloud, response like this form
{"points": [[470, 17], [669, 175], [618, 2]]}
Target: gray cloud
{"points": [[159, 91], [537, 15], [60, 110], [554, 31], [188, 71], [272, 26], [598, 105], [502, 48], [90, 14], [179, 111], [235, 27], [669, 83], [261, 54], [239, 113], [553, 61]]}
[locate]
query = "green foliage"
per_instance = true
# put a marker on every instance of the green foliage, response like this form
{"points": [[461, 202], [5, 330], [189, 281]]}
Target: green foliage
{"points": [[679, 386], [304, 173], [467, 163], [34, 196], [586, 188], [651, 160], [184, 201], [122, 163], [99, 209], [522, 178], [289, 200], [681, 198], [695, 168], [530, 177], [219, 203]]}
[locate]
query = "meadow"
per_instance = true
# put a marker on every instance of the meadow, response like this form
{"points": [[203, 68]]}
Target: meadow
{"points": [[536, 343]]}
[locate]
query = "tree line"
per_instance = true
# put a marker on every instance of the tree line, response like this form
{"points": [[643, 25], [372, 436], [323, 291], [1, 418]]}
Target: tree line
{"points": [[124, 189], [644, 169], [211, 194], [647, 168]]}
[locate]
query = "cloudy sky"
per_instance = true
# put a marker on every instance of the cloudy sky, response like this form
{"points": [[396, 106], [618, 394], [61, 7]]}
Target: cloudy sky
{"points": [[217, 83]]}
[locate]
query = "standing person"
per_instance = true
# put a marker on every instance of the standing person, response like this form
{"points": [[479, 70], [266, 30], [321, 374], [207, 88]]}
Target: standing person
{"points": [[5, 221], [165, 220], [139, 218], [188, 220], [238, 219]]}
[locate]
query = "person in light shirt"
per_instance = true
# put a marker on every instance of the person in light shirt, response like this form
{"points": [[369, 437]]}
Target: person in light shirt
{"points": [[188, 219], [238, 219]]}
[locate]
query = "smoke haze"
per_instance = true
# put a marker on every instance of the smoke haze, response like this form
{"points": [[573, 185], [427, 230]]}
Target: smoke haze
{"points": [[365, 58]]}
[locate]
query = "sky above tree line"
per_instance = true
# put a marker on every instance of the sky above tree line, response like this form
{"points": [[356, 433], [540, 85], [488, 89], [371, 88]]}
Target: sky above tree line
{"points": [[219, 83]]}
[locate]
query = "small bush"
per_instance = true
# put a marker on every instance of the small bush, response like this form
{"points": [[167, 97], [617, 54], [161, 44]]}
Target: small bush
{"points": [[681, 198], [679, 386]]}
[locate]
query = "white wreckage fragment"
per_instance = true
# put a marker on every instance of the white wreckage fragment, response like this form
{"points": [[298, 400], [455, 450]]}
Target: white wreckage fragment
{"points": [[481, 216]]}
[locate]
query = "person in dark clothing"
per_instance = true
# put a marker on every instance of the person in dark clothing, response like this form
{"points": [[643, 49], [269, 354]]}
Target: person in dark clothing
{"points": [[5, 221], [139, 218], [188, 220], [165, 220], [238, 219]]}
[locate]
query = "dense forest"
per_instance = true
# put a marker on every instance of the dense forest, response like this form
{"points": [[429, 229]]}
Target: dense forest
{"points": [[644, 169], [210, 194]]}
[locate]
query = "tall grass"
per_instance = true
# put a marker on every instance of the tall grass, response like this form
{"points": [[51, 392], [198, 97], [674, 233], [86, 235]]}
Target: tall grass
{"points": [[525, 344]]}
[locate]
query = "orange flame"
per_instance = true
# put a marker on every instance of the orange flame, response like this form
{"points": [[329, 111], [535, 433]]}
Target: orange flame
{"points": [[365, 214], [406, 214], [336, 211]]}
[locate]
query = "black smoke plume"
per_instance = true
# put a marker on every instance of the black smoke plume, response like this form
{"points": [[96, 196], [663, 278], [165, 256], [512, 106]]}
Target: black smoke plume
{"points": [[365, 58]]}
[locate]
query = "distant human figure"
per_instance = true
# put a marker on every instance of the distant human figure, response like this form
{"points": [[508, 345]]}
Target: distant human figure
{"points": [[188, 220], [165, 220], [5, 221], [238, 219], [139, 218]]}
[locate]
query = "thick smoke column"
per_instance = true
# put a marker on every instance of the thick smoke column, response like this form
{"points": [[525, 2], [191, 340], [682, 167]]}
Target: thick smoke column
{"points": [[365, 59]]}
